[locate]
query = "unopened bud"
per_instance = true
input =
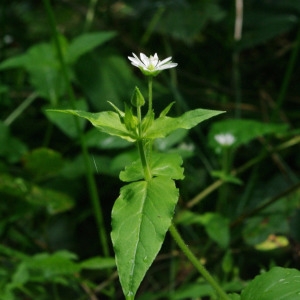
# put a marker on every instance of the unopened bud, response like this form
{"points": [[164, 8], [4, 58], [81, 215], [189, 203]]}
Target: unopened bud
{"points": [[137, 98]]}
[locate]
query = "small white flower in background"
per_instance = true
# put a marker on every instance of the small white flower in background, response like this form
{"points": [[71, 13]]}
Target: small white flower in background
{"points": [[225, 139], [151, 66]]}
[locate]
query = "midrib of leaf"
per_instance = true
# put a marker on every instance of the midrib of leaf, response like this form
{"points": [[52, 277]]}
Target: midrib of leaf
{"points": [[138, 240]]}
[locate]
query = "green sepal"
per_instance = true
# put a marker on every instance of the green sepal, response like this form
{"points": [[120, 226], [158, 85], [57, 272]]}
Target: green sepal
{"points": [[161, 164], [140, 220]]}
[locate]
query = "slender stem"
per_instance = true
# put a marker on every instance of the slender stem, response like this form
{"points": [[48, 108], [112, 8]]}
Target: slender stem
{"points": [[193, 259], [14, 115], [89, 173], [150, 81], [141, 143]]}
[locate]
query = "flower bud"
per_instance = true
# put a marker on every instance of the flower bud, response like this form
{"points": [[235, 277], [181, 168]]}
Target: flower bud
{"points": [[137, 98]]}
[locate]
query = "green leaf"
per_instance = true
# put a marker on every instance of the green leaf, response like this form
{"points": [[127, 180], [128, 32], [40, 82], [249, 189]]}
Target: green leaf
{"points": [[51, 265], [168, 165], [54, 201], [278, 283], [43, 163], [45, 72], [101, 140], [10, 147], [216, 226], [166, 110], [243, 131], [76, 167], [85, 43], [98, 263], [103, 77], [130, 120], [107, 121], [66, 123], [14, 62], [140, 218], [163, 126]]}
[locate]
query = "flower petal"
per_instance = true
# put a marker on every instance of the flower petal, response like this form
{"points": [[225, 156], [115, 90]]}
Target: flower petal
{"points": [[145, 59], [151, 66], [165, 61]]}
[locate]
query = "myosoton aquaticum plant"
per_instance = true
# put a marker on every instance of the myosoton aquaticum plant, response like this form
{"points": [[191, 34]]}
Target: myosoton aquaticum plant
{"points": [[143, 212]]}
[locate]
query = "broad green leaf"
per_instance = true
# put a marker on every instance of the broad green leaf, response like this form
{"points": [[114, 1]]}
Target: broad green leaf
{"points": [[76, 167], [278, 283], [216, 226], [14, 62], [10, 147], [86, 42], [54, 201], [243, 131], [43, 163], [105, 77], [101, 140], [52, 265], [107, 121], [171, 140], [194, 290], [261, 26], [163, 126], [98, 263], [45, 72], [185, 22], [124, 159], [140, 218], [168, 165], [66, 123], [20, 189]]}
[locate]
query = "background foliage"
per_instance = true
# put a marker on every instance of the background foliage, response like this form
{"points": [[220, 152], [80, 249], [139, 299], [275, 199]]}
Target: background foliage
{"points": [[239, 205]]}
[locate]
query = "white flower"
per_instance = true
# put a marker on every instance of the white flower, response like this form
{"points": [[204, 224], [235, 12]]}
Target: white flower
{"points": [[151, 66], [225, 139]]}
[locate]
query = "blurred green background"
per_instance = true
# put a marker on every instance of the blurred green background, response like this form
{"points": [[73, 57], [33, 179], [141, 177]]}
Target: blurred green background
{"points": [[239, 206]]}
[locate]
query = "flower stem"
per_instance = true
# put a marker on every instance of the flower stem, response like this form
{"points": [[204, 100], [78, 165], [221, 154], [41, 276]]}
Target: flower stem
{"points": [[150, 81], [193, 259]]}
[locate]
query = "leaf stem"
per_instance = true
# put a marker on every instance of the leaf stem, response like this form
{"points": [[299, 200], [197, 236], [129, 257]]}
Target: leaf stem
{"points": [[193, 259]]}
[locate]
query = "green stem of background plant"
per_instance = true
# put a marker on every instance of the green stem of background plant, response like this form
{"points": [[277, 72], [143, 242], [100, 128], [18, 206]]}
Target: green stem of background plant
{"points": [[287, 76], [196, 263], [89, 173]]}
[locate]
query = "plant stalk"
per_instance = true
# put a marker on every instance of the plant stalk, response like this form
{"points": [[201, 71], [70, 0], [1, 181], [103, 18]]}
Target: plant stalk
{"points": [[196, 263], [89, 173]]}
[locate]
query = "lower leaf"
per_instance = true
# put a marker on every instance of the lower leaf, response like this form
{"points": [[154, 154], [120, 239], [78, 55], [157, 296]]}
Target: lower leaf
{"points": [[140, 218]]}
